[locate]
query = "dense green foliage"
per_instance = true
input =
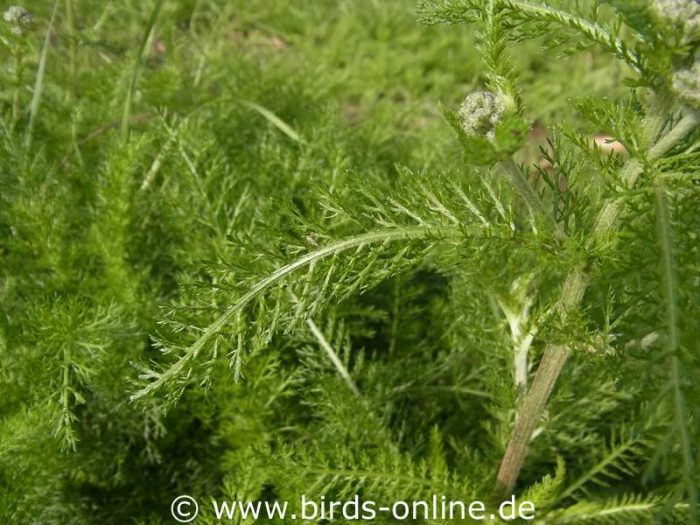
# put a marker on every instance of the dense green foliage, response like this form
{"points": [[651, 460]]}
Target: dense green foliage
{"points": [[244, 255]]}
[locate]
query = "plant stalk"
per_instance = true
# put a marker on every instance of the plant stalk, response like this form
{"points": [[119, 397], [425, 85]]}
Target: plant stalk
{"points": [[575, 285], [633, 169], [530, 412], [17, 88], [72, 47], [137, 66]]}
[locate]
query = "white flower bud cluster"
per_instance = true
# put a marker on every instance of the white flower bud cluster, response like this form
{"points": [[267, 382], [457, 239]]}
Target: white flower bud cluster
{"points": [[682, 13], [480, 112], [686, 84], [18, 17]]}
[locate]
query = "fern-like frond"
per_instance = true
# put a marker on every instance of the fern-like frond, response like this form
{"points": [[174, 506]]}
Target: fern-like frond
{"points": [[518, 12], [382, 474], [622, 458], [594, 32], [624, 510], [75, 335], [333, 283], [450, 11]]}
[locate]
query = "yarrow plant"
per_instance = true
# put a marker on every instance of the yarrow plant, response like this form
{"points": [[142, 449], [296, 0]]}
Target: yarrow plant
{"points": [[19, 19], [225, 272], [686, 84], [682, 14], [481, 112]]}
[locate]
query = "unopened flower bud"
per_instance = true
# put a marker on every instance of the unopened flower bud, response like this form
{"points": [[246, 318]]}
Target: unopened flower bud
{"points": [[684, 14], [481, 111], [18, 17], [686, 84]]}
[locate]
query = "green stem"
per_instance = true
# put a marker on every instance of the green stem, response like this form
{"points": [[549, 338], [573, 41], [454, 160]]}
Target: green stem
{"points": [[72, 52], [527, 192], [575, 285], [136, 69], [633, 169], [668, 278], [337, 363], [523, 186], [16, 95], [40, 76]]}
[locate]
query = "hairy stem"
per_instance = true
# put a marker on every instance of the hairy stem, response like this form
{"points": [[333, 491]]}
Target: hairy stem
{"points": [[529, 195], [633, 169], [523, 186], [529, 416], [575, 285], [535, 399]]}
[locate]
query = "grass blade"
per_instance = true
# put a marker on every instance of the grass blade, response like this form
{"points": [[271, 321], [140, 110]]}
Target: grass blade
{"points": [[39, 83], [136, 71], [274, 120]]}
